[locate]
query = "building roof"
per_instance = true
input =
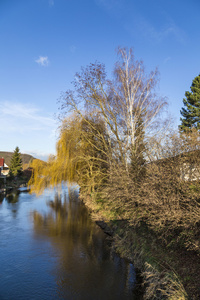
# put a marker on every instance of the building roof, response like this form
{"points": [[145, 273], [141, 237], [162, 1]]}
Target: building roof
{"points": [[2, 162]]}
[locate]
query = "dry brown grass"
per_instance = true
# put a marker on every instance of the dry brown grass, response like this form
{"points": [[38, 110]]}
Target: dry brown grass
{"points": [[162, 285]]}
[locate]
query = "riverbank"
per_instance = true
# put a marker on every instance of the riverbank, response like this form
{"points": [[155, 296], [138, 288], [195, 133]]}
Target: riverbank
{"points": [[11, 187], [14, 183], [168, 272]]}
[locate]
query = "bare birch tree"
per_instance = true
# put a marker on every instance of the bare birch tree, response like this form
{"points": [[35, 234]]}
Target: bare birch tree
{"points": [[127, 103]]}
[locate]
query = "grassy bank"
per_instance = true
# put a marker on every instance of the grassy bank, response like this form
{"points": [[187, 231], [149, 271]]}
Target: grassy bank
{"points": [[168, 271]]}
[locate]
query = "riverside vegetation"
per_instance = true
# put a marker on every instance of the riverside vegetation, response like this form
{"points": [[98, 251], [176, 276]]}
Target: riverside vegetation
{"points": [[134, 172], [19, 171]]}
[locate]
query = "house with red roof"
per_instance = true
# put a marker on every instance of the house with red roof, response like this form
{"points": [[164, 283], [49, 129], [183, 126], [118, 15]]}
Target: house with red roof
{"points": [[4, 169]]}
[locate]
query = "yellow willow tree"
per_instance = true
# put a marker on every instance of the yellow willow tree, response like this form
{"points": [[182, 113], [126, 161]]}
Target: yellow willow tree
{"points": [[81, 156], [82, 151]]}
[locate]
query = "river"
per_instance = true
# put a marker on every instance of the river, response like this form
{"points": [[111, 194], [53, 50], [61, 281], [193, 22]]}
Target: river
{"points": [[51, 249]]}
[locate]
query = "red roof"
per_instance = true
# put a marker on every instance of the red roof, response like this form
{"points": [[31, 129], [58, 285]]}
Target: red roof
{"points": [[1, 162]]}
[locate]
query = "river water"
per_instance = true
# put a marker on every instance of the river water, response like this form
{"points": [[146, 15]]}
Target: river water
{"points": [[51, 249]]}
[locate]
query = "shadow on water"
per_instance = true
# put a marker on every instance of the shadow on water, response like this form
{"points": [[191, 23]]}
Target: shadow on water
{"points": [[12, 196], [2, 196], [87, 268]]}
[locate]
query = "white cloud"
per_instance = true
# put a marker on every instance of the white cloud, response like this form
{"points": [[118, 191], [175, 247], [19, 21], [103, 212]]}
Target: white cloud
{"points": [[43, 61], [38, 154], [28, 127], [14, 115], [25, 120], [148, 30]]}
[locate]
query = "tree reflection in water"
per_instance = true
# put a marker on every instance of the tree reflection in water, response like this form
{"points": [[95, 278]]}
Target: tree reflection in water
{"points": [[86, 268], [13, 196], [2, 196]]}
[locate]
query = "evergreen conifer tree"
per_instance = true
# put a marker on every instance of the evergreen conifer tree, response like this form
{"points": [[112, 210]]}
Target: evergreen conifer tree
{"points": [[191, 111], [16, 163]]}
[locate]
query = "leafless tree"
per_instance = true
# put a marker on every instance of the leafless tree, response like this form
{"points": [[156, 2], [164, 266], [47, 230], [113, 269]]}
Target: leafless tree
{"points": [[127, 104]]}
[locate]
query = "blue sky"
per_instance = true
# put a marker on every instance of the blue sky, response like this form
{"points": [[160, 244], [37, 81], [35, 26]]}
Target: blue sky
{"points": [[43, 43]]}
